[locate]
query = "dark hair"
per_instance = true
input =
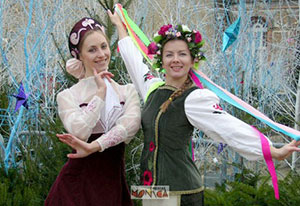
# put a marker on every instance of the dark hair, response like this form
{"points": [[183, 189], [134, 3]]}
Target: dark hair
{"points": [[187, 84]]}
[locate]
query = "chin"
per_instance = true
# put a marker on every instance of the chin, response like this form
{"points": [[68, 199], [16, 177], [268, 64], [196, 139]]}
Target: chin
{"points": [[178, 76], [102, 69]]}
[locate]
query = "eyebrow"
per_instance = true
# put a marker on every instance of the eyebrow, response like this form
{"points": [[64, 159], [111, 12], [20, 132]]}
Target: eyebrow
{"points": [[94, 45], [177, 51]]}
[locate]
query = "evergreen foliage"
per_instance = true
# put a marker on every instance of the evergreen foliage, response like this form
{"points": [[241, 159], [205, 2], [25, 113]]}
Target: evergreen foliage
{"points": [[250, 188]]}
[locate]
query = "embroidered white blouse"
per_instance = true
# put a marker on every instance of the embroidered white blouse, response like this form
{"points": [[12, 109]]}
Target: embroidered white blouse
{"points": [[84, 113], [201, 108]]}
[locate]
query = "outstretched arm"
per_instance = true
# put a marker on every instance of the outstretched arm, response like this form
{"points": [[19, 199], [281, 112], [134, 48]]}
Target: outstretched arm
{"points": [[115, 19], [82, 148], [203, 111], [285, 151]]}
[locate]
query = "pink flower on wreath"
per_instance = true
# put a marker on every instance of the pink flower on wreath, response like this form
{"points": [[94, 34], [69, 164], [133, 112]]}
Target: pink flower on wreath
{"points": [[178, 34], [164, 29], [151, 146], [147, 178], [152, 48], [198, 37]]}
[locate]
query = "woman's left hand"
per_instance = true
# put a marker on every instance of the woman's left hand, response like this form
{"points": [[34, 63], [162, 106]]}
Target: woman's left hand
{"points": [[285, 151], [82, 148]]}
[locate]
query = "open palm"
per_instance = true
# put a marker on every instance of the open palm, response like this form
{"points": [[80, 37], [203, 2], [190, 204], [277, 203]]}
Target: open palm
{"points": [[82, 148]]}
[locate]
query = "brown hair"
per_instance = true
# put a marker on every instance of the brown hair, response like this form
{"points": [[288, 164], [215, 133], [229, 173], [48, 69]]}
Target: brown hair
{"points": [[89, 33], [187, 84]]}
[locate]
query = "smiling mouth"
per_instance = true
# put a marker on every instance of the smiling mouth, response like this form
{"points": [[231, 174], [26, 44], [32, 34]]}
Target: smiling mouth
{"points": [[176, 68], [101, 62]]}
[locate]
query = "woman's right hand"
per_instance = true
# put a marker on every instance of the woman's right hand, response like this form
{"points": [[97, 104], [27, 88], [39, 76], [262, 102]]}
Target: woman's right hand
{"points": [[99, 78], [82, 148]]}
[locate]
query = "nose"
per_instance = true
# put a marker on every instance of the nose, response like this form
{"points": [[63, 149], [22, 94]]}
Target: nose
{"points": [[100, 53], [175, 58]]}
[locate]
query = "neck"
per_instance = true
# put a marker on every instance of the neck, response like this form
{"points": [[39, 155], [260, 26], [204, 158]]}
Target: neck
{"points": [[88, 74], [175, 82]]}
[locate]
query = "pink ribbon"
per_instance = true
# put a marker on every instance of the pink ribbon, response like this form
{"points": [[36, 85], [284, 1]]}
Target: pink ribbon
{"points": [[268, 158]]}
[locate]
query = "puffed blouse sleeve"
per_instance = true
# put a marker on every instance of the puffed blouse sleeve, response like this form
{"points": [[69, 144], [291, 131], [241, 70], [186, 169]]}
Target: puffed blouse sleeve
{"points": [[138, 71], [127, 125], [204, 112], [77, 121]]}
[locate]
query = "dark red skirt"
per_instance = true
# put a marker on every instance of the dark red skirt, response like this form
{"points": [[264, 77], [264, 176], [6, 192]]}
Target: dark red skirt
{"points": [[96, 180]]}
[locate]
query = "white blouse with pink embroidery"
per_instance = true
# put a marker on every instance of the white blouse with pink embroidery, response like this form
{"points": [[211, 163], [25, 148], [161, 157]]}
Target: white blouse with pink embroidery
{"points": [[201, 108], [84, 113]]}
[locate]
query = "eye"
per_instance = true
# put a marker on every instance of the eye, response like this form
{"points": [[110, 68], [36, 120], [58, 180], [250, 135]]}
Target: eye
{"points": [[183, 54], [169, 55], [91, 50], [103, 46]]}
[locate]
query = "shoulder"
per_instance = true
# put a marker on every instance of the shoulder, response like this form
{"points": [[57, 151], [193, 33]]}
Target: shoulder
{"points": [[124, 41], [128, 86], [64, 95], [127, 89], [68, 92], [201, 95]]}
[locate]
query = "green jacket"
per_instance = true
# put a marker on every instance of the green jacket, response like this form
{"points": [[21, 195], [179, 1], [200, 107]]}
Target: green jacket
{"points": [[166, 159]]}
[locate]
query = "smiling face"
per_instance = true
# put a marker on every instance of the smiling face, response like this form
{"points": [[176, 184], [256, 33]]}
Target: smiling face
{"points": [[177, 61], [95, 53]]}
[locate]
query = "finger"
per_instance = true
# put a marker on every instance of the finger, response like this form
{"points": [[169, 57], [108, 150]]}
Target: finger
{"points": [[60, 135], [297, 143], [63, 140], [64, 135], [106, 74], [108, 78], [109, 13], [73, 156], [69, 142]]}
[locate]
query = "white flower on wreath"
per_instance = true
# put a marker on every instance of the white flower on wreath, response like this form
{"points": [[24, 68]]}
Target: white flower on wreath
{"points": [[185, 28]]}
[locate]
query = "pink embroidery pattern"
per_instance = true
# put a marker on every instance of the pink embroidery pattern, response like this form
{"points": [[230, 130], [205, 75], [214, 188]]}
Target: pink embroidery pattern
{"points": [[91, 106], [113, 137], [151, 147], [217, 106], [147, 177], [148, 76]]}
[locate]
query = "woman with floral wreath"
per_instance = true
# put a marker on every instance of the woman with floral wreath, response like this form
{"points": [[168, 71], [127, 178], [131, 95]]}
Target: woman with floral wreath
{"points": [[174, 107], [101, 116]]}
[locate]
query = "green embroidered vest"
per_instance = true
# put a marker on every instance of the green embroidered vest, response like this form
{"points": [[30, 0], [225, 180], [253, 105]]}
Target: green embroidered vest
{"points": [[166, 159]]}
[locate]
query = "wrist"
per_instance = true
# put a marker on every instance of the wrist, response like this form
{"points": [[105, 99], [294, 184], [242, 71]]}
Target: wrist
{"points": [[274, 152], [95, 146], [119, 25], [101, 92]]}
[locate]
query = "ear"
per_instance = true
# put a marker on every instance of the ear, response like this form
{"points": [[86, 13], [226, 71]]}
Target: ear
{"points": [[193, 62], [80, 57]]}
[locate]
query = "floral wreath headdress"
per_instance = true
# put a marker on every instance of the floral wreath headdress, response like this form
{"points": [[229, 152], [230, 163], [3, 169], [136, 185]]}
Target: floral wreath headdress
{"points": [[168, 32]]}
